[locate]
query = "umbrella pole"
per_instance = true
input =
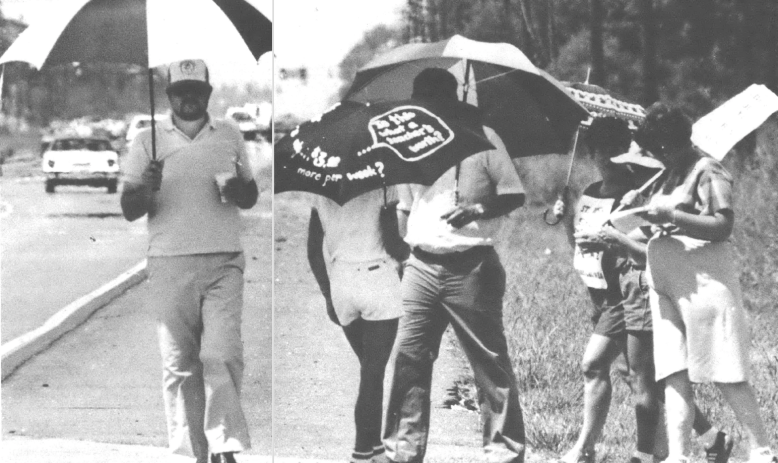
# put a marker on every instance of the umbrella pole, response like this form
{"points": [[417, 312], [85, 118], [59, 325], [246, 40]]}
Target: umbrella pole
{"points": [[566, 190], [153, 123], [465, 88]]}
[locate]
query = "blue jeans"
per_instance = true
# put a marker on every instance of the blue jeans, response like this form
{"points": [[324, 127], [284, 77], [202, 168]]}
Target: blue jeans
{"points": [[466, 290]]}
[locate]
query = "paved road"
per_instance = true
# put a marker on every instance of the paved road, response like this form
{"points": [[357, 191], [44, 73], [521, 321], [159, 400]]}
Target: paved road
{"points": [[59, 247], [101, 383]]}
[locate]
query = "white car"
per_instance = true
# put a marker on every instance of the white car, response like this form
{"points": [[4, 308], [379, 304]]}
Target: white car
{"points": [[246, 122], [81, 161], [141, 122]]}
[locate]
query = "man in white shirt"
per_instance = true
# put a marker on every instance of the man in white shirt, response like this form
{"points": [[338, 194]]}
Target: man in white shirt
{"points": [[455, 276]]}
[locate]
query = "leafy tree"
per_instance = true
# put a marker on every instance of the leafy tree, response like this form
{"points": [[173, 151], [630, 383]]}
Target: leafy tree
{"points": [[374, 41]]}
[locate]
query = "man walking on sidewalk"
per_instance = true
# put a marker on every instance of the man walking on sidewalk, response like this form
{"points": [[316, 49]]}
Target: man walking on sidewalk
{"points": [[195, 262], [455, 276]]}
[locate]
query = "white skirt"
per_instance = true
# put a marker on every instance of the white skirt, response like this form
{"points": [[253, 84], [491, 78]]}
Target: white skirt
{"points": [[696, 305]]}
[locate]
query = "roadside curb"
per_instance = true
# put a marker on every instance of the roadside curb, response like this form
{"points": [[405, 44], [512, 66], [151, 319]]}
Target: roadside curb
{"points": [[19, 350]]}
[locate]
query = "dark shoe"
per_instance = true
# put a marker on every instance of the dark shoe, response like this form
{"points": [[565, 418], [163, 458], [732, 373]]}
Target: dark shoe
{"points": [[587, 456], [223, 458], [721, 449]]}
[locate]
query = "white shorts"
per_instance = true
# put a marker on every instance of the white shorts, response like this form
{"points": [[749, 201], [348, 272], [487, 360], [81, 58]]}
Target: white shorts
{"points": [[367, 290]]}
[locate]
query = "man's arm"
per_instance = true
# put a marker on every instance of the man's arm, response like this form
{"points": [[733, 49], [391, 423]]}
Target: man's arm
{"points": [[317, 263], [137, 197], [402, 222], [490, 208], [244, 194]]}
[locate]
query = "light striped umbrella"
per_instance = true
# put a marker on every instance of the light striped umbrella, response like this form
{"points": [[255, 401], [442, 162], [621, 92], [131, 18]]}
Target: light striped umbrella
{"points": [[147, 33]]}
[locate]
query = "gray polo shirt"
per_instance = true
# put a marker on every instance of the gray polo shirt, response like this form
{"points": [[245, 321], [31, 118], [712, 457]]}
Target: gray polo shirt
{"points": [[187, 215]]}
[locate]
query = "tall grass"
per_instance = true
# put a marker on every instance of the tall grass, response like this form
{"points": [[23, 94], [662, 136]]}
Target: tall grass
{"points": [[547, 312]]}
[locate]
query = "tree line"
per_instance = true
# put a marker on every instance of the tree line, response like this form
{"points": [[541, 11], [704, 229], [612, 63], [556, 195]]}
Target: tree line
{"points": [[693, 52]]}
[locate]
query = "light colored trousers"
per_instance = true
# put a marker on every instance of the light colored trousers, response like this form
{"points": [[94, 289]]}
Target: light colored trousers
{"points": [[198, 300]]}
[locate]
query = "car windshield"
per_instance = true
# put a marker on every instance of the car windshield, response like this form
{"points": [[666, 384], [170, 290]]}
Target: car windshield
{"points": [[241, 117], [71, 144]]}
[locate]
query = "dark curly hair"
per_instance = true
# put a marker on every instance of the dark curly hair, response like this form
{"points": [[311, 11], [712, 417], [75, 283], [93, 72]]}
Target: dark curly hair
{"points": [[610, 134], [664, 127]]}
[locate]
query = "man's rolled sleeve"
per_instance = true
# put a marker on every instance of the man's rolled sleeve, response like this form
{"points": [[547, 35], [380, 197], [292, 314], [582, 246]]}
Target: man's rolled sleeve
{"points": [[137, 159], [244, 168], [500, 167], [404, 197]]}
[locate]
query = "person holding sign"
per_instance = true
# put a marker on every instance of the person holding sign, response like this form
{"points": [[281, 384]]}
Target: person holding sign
{"points": [[612, 264], [454, 276], [700, 327], [607, 261]]}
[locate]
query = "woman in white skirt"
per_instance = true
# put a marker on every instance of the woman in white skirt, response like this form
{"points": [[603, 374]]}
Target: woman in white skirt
{"points": [[700, 328]]}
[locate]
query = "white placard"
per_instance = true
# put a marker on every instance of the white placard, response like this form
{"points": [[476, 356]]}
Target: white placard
{"points": [[627, 220], [718, 131], [591, 214]]}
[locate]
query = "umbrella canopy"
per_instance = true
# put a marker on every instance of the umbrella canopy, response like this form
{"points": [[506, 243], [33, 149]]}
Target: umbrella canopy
{"points": [[356, 147], [531, 111], [600, 103], [147, 33]]}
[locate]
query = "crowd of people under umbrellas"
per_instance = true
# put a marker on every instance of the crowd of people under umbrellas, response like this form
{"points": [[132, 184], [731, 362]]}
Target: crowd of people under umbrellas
{"points": [[665, 293], [398, 265]]}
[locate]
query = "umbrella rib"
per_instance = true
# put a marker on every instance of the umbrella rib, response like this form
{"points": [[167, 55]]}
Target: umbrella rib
{"points": [[496, 76]]}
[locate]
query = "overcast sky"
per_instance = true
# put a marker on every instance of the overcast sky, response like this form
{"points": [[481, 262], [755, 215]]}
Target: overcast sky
{"points": [[318, 33]]}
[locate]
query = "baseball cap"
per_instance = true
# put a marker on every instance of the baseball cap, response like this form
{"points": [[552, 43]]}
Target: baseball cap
{"points": [[192, 72]]}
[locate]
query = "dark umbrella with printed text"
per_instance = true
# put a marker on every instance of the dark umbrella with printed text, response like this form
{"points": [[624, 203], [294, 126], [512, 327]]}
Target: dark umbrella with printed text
{"points": [[357, 147]]}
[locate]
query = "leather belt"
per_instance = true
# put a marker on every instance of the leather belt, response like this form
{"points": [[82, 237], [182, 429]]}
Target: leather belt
{"points": [[474, 252]]}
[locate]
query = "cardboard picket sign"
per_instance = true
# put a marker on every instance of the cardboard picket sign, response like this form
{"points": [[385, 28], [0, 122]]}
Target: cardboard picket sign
{"points": [[591, 214], [718, 131]]}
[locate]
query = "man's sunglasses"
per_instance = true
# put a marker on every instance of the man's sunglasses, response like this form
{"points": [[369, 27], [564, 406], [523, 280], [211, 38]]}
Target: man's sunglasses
{"points": [[196, 89]]}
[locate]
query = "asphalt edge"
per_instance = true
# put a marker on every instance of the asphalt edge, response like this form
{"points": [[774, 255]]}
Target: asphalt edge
{"points": [[17, 351]]}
